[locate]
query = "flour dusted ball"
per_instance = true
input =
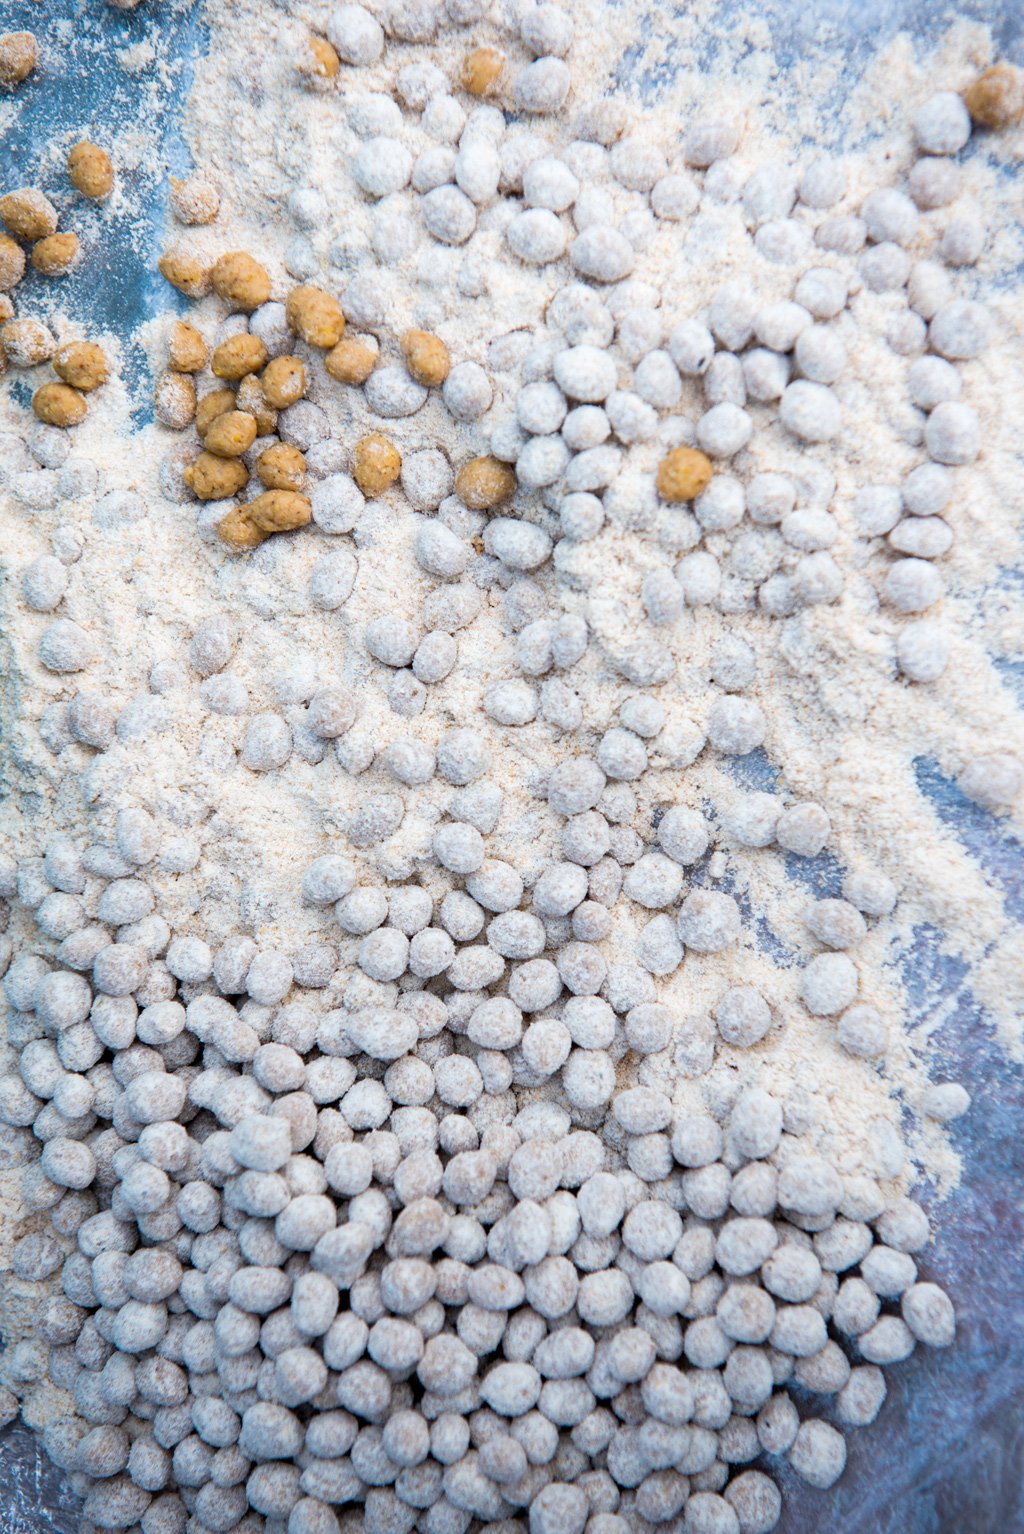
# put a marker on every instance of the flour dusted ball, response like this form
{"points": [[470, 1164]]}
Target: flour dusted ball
{"points": [[942, 125], [810, 411], [765, 375], [862, 1031], [890, 216], [546, 30], [541, 88], [537, 236], [829, 984], [724, 430], [674, 197], [912, 585], [382, 166], [26, 342], [933, 183], [836, 923], [818, 1453], [993, 780], [960, 329], [964, 239], [467, 391], [65, 647], [803, 829], [356, 35], [953, 433], [736, 726], [268, 743], [822, 291], [43, 583], [449, 215], [709, 139], [548, 183], [743, 1016], [922, 651], [733, 664], [602, 254], [683, 834], [585, 373], [708, 921]]}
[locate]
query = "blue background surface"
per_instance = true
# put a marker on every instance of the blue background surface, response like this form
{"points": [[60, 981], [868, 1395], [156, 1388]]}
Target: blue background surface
{"points": [[946, 1455]]}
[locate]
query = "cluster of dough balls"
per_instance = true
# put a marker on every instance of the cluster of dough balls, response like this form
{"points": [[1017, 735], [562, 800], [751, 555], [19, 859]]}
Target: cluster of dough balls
{"points": [[333, 1266]]}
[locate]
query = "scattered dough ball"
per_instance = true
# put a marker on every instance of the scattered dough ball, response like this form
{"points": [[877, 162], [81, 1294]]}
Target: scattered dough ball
{"points": [[240, 280], [426, 357], [542, 86], [351, 361], [82, 364], [484, 482], [214, 479], [238, 530], [19, 55], [212, 405], [358, 36], [187, 352], [279, 511], [829, 984], [90, 170], [174, 400], [803, 829], [945, 1100], [315, 316], [377, 463], [810, 411], [942, 124], [993, 781], [195, 200], [55, 255], [231, 434], [283, 381], [59, 405], [26, 342], [28, 214], [996, 98], [862, 1031], [237, 356], [252, 400], [281, 467], [818, 1453], [317, 61], [922, 651], [480, 70], [683, 474], [12, 263], [185, 270]]}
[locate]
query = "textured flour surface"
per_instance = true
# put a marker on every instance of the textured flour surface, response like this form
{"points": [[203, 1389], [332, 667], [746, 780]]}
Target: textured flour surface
{"points": [[843, 729]]}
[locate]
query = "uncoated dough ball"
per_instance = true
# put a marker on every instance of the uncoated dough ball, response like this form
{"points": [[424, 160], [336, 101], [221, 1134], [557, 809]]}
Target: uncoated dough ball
{"points": [[19, 54]]}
